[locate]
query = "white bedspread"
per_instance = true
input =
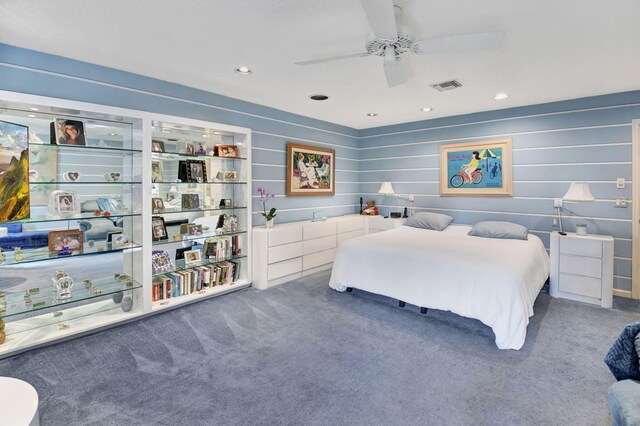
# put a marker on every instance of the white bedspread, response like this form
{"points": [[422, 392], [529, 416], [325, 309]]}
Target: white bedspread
{"points": [[493, 280]]}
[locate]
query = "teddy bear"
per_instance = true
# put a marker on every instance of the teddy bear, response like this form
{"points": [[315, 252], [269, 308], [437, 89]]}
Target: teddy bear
{"points": [[371, 209]]}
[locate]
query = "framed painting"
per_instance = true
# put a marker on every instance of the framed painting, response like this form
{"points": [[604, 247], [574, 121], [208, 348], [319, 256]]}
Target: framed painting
{"points": [[476, 168], [14, 172], [310, 170]]}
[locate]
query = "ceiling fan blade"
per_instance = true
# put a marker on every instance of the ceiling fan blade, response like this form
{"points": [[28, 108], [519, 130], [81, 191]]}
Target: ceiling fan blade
{"points": [[459, 43], [395, 72], [381, 18], [333, 58]]}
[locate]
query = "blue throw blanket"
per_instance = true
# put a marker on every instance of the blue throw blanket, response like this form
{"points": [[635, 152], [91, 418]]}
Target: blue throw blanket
{"points": [[622, 358]]}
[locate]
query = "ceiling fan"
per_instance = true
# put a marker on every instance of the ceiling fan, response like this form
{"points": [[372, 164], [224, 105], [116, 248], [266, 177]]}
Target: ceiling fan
{"points": [[392, 40]]}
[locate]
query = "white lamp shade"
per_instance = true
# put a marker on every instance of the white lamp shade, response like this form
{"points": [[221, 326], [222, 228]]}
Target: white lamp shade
{"points": [[173, 189], [386, 188], [579, 191]]}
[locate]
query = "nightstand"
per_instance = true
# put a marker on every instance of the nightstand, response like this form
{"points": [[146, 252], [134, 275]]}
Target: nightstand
{"points": [[379, 223], [582, 268]]}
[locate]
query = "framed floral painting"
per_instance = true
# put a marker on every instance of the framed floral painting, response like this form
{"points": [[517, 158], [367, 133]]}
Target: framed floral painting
{"points": [[476, 168], [310, 170]]}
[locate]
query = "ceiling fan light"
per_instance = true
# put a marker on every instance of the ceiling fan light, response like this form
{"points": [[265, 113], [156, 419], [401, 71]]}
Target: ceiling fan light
{"points": [[389, 54]]}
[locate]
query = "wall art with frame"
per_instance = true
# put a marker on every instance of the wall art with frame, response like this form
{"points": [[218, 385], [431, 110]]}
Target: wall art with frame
{"points": [[481, 168], [310, 170]]}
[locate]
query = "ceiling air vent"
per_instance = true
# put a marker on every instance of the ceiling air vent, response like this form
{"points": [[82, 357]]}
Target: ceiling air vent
{"points": [[447, 85]]}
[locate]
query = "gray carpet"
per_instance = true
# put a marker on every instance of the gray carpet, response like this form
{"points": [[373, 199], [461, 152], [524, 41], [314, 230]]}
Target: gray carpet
{"points": [[302, 353]]}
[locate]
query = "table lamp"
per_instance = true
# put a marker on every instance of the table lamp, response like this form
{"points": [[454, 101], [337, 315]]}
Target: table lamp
{"points": [[578, 191]]}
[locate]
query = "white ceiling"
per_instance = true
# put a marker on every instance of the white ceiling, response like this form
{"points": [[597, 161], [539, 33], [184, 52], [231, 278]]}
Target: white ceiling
{"points": [[553, 50]]}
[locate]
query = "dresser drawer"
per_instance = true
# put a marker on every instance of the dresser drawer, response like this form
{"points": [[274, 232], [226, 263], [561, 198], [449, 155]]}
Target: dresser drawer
{"points": [[318, 244], [285, 234], [349, 235], [579, 265], [317, 259], [580, 247], [349, 225], [318, 229], [583, 286], [284, 252], [281, 269]]}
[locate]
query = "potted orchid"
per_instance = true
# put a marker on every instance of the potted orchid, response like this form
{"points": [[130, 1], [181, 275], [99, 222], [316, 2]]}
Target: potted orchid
{"points": [[264, 196]]}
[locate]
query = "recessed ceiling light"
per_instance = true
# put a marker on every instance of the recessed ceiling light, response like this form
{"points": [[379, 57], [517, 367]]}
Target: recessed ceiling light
{"points": [[34, 109], [243, 70], [372, 114], [427, 109], [319, 97], [166, 131], [501, 96], [205, 136], [31, 115], [113, 134], [216, 133]]}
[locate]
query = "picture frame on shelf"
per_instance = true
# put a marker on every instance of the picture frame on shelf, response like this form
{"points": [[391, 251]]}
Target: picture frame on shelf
{"points": [[230, 176], [156, 171], [196, 171], [66, 241], [71, 176], [157, 205], [201, 148], [14, 139], [157, 145], [186, 147], [310, 170], [192, 257], [64, 203], [159, 230], [69, 132], [194, 229], [180, 252], [210, 248], [227, 151], [481, 168], [118, 239], [190, 201], [161, 261]]}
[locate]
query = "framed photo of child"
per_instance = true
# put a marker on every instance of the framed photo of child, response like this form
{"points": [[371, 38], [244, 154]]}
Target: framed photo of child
{"points": [[69, 132]]}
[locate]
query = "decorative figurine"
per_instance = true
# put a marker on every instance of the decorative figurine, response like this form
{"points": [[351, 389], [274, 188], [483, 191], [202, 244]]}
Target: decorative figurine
{"points": [[27, 299], [117, 297], [91, 243], [87, 283], [371, 209], [126, 304], [1, 255], [17, 252], [62, 284]]}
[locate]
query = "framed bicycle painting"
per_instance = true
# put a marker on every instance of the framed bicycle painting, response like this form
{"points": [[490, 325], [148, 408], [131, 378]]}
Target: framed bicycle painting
{"points": [[476, 168]]}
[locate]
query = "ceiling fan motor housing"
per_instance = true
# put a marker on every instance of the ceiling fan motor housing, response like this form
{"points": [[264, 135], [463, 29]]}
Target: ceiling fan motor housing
{"points": [[377, 46]]}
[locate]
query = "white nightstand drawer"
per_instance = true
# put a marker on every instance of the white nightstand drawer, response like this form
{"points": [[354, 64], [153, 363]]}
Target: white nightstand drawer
{"points": [[581, 246], [578, 265], [318, 244], [287, 267], [351, 224], [284, 252], [584, 286]]}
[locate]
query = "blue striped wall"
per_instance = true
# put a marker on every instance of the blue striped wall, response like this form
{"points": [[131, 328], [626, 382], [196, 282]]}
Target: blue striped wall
{"points": [[41, 74], [553, 145]]}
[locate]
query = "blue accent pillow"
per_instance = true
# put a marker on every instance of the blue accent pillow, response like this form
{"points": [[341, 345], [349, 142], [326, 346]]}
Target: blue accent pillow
{"points": [[427, 220], [498, 229], [12, 228]]}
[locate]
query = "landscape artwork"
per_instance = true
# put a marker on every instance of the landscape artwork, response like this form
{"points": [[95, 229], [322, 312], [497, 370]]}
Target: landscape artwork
{"points": [[310, 170], [14, 171]]}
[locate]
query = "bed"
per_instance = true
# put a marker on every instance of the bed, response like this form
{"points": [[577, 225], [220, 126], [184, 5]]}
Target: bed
{"points": [[493, 280]]}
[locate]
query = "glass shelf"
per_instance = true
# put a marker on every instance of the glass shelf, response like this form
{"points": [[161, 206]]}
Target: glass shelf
{"points": [[125, 151], [102, 182], [208, 209], [173, 155], [204, 183], [81, 216], [195, 237], [42, 253], [45, 298], [180, 266]]}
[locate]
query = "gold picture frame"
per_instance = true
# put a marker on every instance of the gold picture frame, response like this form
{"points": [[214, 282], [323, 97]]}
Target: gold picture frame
{"points": [[481, 168], [310, 170]]}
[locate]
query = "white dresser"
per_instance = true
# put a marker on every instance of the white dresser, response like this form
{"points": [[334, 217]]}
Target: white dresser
{"points": [[292, 250], [379, 223], [582, 268]]}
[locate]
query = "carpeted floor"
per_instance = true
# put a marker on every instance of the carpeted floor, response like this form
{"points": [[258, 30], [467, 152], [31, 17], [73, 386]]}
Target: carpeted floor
{"points": [[302, 353]]}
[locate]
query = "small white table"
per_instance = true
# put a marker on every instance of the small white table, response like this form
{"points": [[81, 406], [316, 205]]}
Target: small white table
{"points": [[18, 403]]}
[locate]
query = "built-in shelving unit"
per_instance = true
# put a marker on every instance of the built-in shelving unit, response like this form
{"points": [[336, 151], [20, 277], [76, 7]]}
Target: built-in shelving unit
{"points": [[111, 178]]}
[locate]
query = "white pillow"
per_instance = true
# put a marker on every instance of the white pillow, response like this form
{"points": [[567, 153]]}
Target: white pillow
{"points": [[427, 220], [498, 229]]}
